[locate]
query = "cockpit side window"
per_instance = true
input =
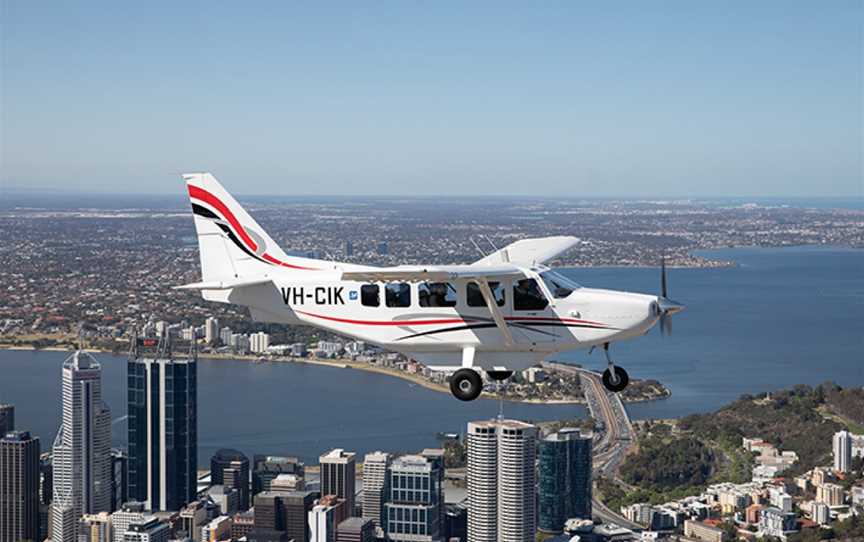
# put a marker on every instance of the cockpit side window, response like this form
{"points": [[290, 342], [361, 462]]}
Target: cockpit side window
{"points": [[475, 296], [527, 296], [397, 294], [436, 294], [559, 285]]}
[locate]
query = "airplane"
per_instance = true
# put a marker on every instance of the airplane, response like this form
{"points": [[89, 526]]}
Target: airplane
{"points": [[505, 312]]}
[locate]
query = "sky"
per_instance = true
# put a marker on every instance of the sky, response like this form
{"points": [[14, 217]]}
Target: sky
{"points": [[569, 99]]}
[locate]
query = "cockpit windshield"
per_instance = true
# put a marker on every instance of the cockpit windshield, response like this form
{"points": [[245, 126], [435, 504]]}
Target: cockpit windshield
{"points": [[559, 285]]}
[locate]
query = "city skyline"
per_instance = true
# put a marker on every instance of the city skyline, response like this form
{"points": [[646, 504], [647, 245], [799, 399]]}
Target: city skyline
{"points": [[683, 99]]}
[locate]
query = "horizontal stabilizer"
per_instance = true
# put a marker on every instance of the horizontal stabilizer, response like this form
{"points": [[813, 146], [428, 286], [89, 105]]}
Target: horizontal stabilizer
{"points": [[222, 284]]}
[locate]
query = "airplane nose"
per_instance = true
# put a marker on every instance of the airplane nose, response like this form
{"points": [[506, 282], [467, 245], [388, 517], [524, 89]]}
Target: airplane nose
{"points": [[667, 306]]}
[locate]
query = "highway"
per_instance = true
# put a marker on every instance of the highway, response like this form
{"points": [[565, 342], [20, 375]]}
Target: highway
{"points": [[615, 439]]}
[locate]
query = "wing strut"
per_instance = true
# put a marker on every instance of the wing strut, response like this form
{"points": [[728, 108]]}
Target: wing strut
{"points": [[493, 308]]}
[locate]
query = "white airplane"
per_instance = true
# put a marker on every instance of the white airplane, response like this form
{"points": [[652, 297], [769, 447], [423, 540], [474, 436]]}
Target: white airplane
{"points": [[504, 312]]}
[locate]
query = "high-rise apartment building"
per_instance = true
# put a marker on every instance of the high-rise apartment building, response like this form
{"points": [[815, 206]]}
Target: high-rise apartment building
{"points": [[163, 422], [259, 342], [842, 446], [211, 330], [338, 472], [564, 467], [230, 468], [82, 448], [412, 512], [19, 486], [375, 467], [501, 481]]}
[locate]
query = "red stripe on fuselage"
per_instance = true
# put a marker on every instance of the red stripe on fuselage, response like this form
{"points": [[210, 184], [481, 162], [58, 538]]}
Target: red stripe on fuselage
{"points": [[547, 319], [273, 260], [386, 322], [440, 320]]}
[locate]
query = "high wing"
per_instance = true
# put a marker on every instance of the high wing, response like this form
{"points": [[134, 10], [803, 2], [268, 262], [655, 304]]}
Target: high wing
{"points": [[529, 251], [419, 273]]}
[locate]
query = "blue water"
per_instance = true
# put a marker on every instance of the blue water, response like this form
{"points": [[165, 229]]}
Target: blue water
{"points": [[782, 317]]}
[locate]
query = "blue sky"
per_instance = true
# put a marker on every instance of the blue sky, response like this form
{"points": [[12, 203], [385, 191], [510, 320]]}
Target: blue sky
{"points": [[555, 98]]}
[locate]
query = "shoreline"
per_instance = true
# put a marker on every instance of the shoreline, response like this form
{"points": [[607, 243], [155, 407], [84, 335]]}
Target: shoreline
{"points": [[344, 363]]}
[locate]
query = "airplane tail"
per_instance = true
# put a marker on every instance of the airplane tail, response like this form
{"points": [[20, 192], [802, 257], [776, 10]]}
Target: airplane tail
{"points": [[231, 244]]}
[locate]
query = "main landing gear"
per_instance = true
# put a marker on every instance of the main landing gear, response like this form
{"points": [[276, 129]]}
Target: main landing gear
{"points": [[615, 378], [466, 384]]}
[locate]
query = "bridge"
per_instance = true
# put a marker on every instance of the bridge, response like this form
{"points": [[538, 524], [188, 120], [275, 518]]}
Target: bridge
{"points": [[615, 439]]}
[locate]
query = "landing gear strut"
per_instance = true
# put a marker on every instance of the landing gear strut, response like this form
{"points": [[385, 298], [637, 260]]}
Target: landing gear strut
{"points": [[615, 378], [466, 384]]}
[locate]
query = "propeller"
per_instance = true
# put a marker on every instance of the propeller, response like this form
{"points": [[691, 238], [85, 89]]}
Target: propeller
{"points": [[666, 307]]}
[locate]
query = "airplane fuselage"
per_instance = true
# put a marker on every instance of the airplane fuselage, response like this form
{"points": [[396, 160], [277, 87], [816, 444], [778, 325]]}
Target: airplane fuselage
{"points": [[402, 317]]}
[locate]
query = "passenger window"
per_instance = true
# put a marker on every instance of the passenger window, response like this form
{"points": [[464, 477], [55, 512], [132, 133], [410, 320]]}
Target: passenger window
{"points": [[475, 296], [527, 296], [398, 294], [436, 294], [369, 295]]}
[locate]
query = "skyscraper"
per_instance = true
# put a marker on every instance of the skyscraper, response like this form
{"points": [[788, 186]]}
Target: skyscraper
{"points": [[325, 516], [163, 422], [230, 468], [19, 487], [375, 467], [82, 448], [842, 451], [119, 479], [297, 505], [412, 512], [501, 481], [564, 479], [265, 468], [211, 330], [338, 472], [7, 419]]}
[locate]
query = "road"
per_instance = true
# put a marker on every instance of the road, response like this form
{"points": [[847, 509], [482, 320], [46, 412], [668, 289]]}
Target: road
{"points": [[616, 438]]}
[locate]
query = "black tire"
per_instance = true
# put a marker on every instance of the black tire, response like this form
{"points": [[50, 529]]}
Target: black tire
{"points": [[466, 384], [621, 381], [499, 375]]}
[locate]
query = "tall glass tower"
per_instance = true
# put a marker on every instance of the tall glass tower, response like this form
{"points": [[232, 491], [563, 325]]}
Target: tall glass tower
{"points": [[564, 479], [163, 427], [82, 448]]}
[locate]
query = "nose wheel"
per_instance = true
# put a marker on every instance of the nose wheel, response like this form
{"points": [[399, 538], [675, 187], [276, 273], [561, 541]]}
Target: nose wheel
{"points": [[466, 384], [615, 378]]}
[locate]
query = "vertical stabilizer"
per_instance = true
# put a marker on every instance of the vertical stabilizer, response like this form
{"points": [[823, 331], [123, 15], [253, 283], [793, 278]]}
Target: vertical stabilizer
{"points": [[231, 244]]}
